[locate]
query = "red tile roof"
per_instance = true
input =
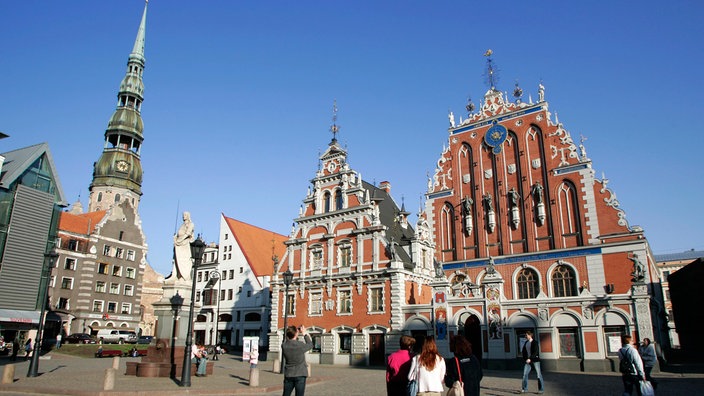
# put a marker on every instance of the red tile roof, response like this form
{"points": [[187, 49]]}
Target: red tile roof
{"points": [[256, 244], [80, 223]]}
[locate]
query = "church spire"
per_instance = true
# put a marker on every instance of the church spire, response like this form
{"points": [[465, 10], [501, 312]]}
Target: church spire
{"points": [[117, 175]]}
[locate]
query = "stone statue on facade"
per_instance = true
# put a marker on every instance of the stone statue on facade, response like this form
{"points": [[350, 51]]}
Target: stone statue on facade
{"points": [[638, 268], [182, 249]]}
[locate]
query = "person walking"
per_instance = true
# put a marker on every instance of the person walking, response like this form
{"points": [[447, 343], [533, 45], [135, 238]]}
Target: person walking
{"points": [[398, 364], [531, 357], [16, 343], [27, 348], [464, 367], [428, 368], [630, 365], [58, 340], [294, 353], [647, 354]]}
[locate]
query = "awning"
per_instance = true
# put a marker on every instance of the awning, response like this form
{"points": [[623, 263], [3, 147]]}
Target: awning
{"points": [[19, 316]]}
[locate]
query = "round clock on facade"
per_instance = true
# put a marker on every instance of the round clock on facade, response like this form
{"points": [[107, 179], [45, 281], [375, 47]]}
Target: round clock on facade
{"points": [[122, 165], [214, 275], [495, 137]]}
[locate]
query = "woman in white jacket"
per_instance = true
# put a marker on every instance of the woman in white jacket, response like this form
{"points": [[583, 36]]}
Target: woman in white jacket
{"points": [[428, 368]]}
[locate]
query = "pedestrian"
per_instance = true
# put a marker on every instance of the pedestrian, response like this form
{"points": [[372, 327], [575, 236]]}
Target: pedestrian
{"points": [[58, 340], [531, 357], [630, 366], [398, 365], [15, 347], [470, 370], [294, 352], [198, 356], [216, 355], [647, 354], [428, 369], [27, 348]]}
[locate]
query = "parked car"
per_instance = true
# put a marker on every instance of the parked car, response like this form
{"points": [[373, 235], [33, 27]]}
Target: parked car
{"points": [[117, 336], [79, 338], [145, 339]]}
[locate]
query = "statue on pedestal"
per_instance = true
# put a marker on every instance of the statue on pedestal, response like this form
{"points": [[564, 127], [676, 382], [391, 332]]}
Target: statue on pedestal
{"points": [[182, 250]]}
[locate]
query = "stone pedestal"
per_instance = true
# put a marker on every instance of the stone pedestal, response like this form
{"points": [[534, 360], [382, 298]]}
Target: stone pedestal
{"points": [[165, 354]]}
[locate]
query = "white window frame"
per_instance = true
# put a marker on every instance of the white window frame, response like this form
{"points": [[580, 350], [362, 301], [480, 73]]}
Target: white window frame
{"points": [[70, 286], [292, 296], [128, 290], [340, 293], [130, 273], [107, 307], [317, 257], [119, 252], [114, 288], [370, 299], [99, 289], [127, 311], [130, 254], [312, 303], [116, 270], [344, 249], [101, 303], [72, 266], [106, 250]]}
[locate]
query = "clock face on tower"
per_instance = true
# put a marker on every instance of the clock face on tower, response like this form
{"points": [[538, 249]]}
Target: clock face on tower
{"points": [[495, 137], [122, 165]]}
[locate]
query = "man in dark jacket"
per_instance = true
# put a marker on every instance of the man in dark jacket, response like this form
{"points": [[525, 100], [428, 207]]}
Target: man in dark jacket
{"points": [[295, 368], [531, 356]]}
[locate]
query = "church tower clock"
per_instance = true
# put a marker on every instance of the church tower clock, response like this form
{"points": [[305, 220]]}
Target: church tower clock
{"points": [[117, 175]]}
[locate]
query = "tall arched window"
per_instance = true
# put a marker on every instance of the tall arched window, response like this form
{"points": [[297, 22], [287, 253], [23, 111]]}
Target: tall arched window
{"points": [[527, 283], [100, 196], [326, 202], [447, 231], [117, 197], [569, 214], [564, 283], [338, 200]]}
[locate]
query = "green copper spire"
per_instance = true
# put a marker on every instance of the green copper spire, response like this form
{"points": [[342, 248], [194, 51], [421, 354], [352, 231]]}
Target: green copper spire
{"points": [[117, 175]]}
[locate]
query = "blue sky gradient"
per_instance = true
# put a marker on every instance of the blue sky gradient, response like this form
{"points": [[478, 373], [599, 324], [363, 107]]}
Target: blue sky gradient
{"points": [[239, 95]]}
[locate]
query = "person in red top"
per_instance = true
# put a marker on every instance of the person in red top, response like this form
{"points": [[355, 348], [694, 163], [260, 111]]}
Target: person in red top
{"points": [[397, 366]]}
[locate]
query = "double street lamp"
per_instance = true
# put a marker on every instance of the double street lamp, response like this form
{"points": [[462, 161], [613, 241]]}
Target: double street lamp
{"points": [[197, 250], [49, 260], [288, 278]]}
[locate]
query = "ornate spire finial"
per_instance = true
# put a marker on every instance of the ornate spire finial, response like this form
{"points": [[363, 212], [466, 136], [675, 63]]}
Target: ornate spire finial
{"points": [[491, 72], [334, 128]]}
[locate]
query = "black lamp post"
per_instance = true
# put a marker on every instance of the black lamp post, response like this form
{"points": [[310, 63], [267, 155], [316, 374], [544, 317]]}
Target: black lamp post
{"points": [[197, 250], [49, 260], [215, 278], [288, 278]]}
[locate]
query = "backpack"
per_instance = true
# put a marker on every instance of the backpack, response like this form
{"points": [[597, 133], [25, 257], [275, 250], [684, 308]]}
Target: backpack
{"points": [[626, 366]]}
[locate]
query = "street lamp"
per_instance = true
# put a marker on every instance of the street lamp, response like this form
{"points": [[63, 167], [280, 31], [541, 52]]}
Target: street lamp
{"points": [[215, 277], [197, 250], [288, 278], [49, 260]]}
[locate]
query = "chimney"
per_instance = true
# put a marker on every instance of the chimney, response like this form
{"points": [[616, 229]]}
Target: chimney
{"points": [[386, 186]]}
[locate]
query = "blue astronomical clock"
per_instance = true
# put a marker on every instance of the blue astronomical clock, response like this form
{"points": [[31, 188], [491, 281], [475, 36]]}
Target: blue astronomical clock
{"points": [[495, 137]]}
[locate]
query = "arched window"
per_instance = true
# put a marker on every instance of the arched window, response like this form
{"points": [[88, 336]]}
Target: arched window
{"points": [[338, 199], [100, 196], [527, 283], [564, 283], [117, 197], [326, 202], [447, 232], [569, 214]]}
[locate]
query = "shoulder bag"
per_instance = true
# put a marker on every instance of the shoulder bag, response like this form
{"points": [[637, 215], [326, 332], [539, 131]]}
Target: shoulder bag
{"points": [[412, 387], [458, 386]]}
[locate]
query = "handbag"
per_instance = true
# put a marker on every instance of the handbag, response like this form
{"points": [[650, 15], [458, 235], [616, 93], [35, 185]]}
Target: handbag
{"points": [[646, 388], [457, 388], [412, 387]]}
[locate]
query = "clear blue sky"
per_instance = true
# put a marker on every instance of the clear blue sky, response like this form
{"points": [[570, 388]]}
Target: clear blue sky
{"points": [[239, 94]]}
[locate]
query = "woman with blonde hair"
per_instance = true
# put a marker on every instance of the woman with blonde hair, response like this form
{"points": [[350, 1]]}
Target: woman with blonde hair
{"points": [[428, 369]]}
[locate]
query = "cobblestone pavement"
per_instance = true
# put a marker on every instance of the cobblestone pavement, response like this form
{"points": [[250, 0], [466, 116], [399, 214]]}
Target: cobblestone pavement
{"points": [[67, 375]]}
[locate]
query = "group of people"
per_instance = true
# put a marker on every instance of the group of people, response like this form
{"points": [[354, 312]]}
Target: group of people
{"points": [[427, 371], [636, 365]]}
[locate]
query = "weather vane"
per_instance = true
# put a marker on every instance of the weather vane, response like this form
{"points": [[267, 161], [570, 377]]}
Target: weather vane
{"points": [[491, 72], [334, 128]]}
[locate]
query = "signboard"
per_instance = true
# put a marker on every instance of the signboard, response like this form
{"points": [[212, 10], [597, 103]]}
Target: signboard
{"points": [[249, 344], [614, 344]]}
